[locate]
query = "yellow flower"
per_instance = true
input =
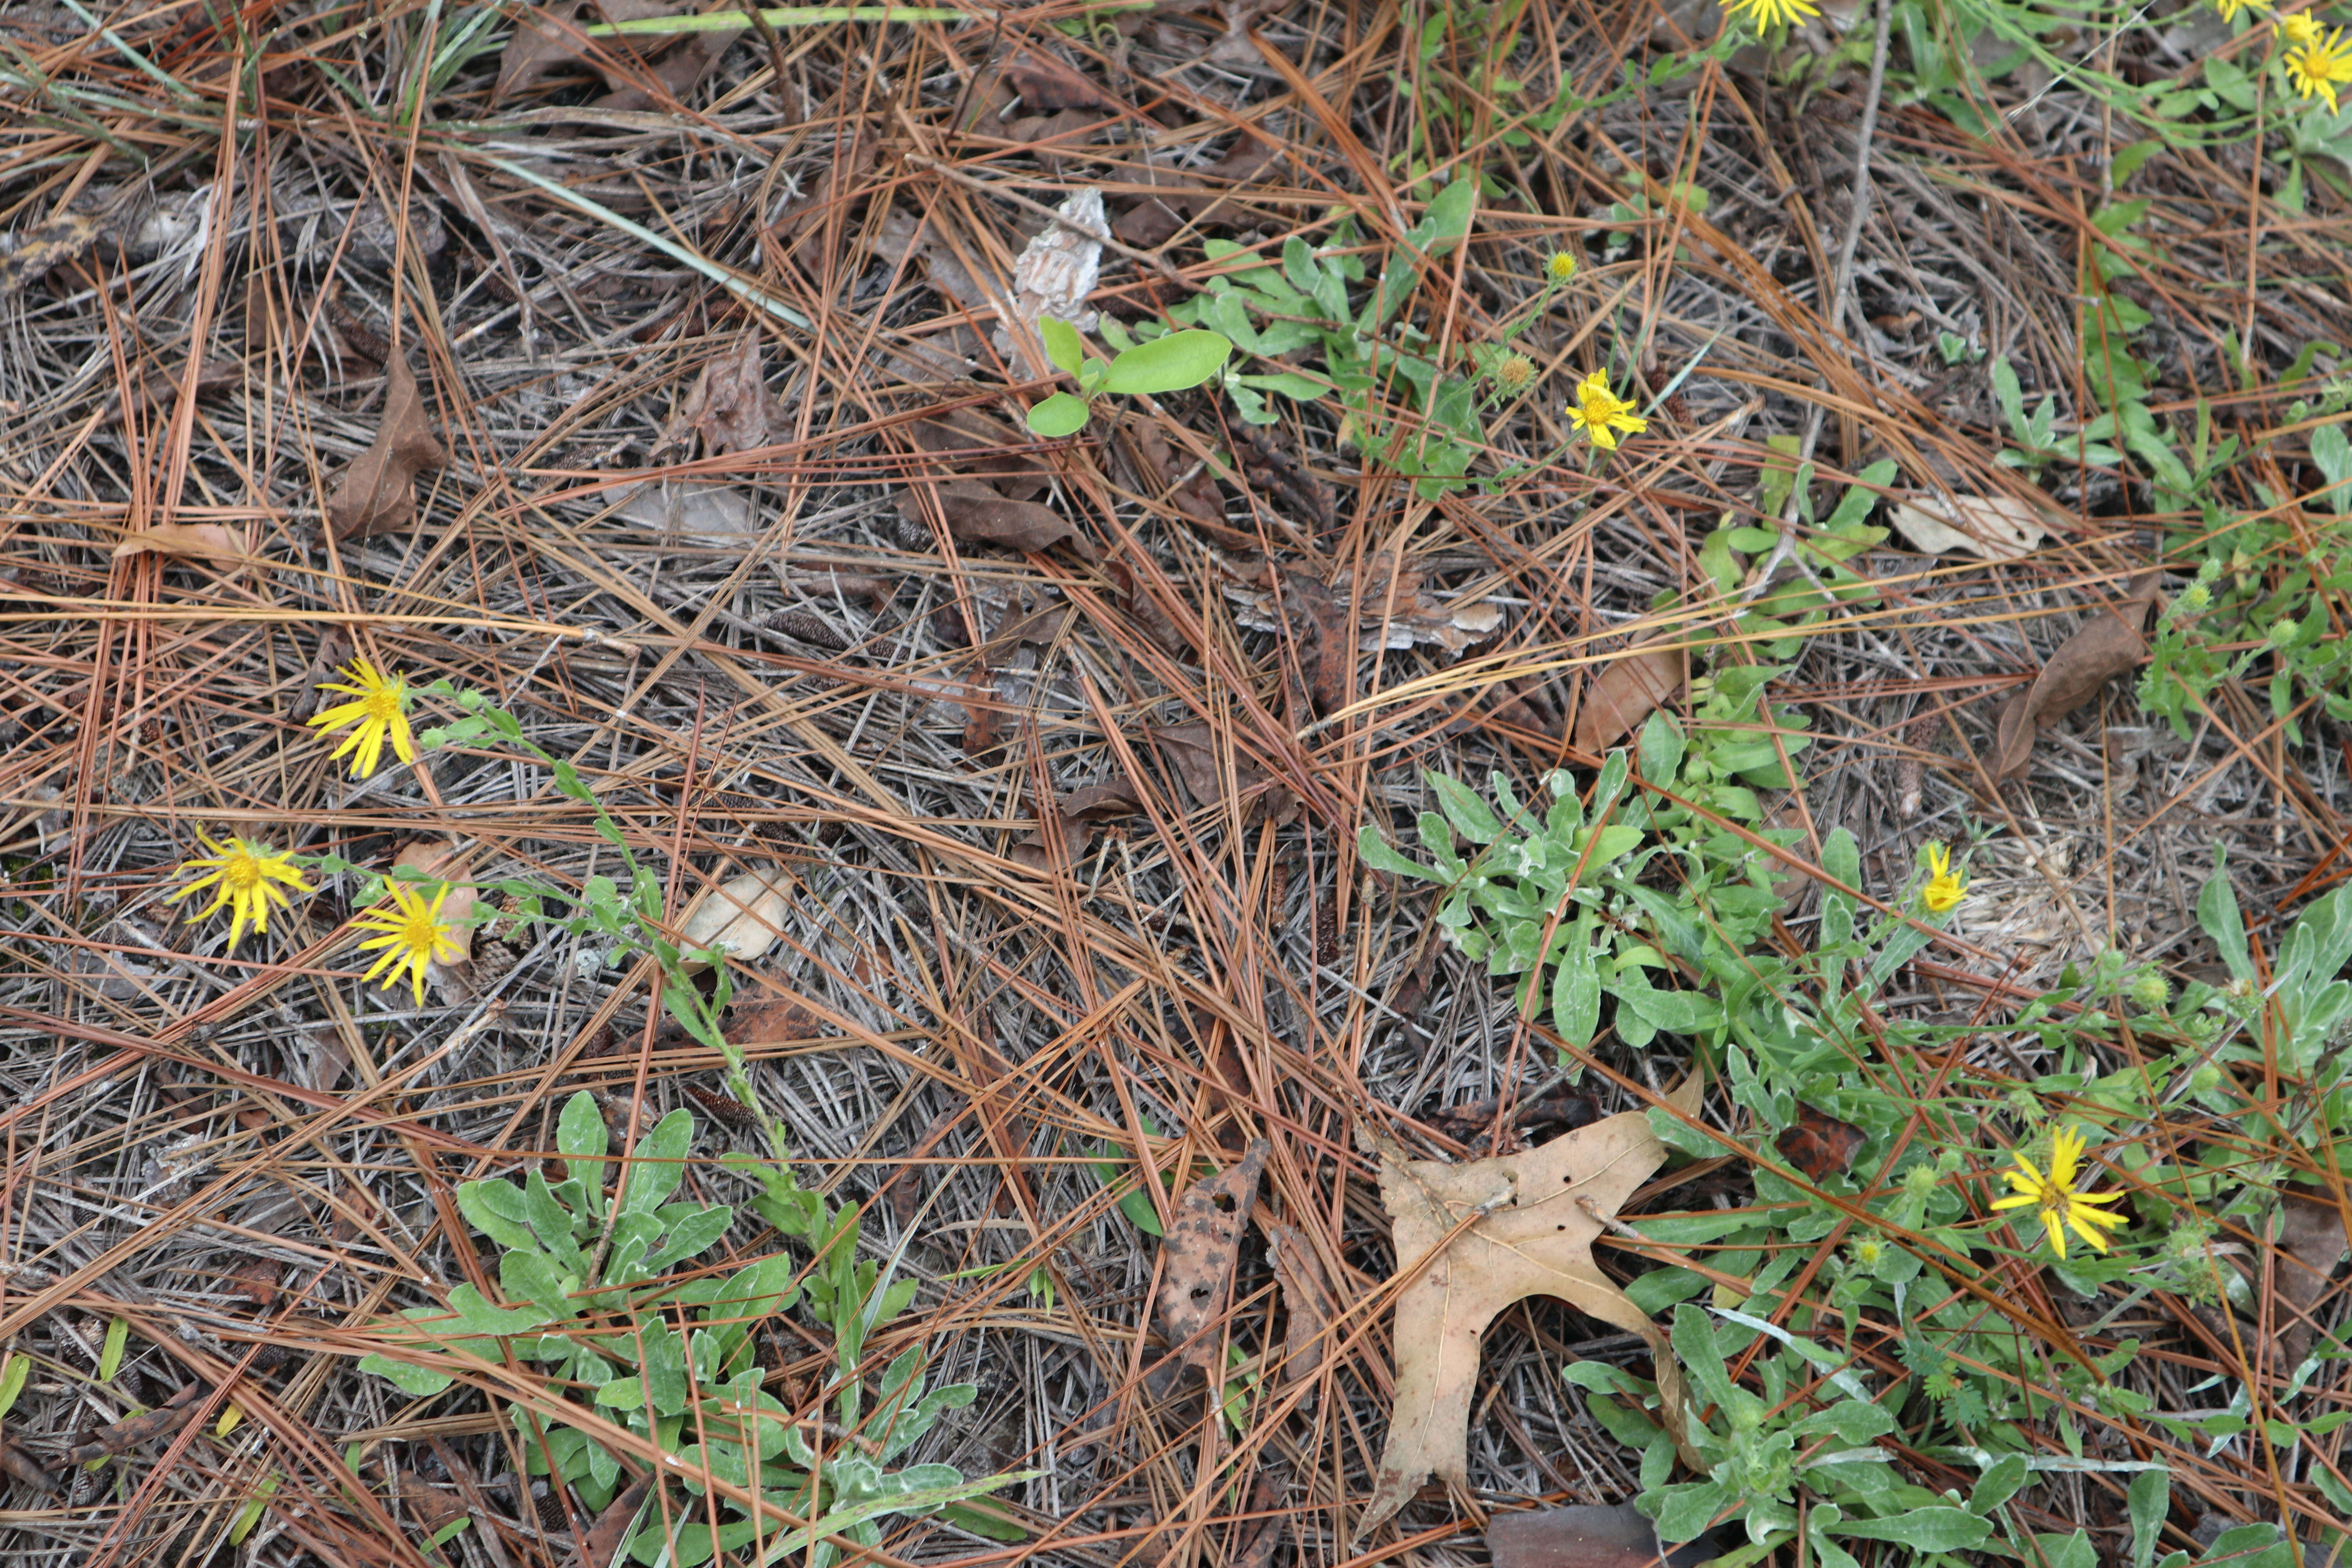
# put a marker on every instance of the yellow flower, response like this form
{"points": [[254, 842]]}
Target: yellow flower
{"points": [[1945, 886], [379, 706], [1560, 266], [2055, 1195], [2319, 64], [246, 876], [1601, 413], [2298, 27], [2230, 8], [1763, 13], [412, 935]]}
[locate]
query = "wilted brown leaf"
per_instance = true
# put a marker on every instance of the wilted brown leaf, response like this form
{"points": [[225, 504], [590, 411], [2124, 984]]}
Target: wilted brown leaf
{"points": [[1611, 1535], [378, 494], [1077, 814], [982, 514], [1191, 749], [1145, 606], [1307, 1302], [2108, 644], [1628, 690], [63, 239], [2311, 1242], [1471, 1239], [602, 1546], [766, 1023], [1992, 527], [209, 540], [1820, 1145], [1211, 1215]]}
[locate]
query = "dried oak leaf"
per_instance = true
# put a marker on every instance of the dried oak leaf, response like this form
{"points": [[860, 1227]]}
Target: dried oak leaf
{"points": [[2108, 644], [1628, 690], [378, 494], [982, 514], [1211, 1214], [1191, 749], [1470, 1240], [1820, 1145], [15, 1462]]}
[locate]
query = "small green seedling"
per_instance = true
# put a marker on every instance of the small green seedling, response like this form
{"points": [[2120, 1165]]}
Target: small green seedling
{"points": [[1172, 363]]}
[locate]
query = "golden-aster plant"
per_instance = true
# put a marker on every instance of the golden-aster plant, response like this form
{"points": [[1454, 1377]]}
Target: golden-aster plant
{"points": [[2054, 1198], [410, 935], [1601, 413], [246, 876], [378, 711]]}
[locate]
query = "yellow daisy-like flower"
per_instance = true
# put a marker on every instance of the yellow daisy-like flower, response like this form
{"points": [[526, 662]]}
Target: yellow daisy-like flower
{"points": [[2230, 8], [2298, 27], [379, 707], [412, 935], [1560, 266], [246, 876], [1945, 886], [1763, 13], [1601, 413], [2060, 1205], [1513, 373], [2319, 64]]}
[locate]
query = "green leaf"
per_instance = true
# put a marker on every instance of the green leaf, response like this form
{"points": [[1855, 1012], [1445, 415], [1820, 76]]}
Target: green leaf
{"points": [[2149, 1502], [1298, 388], [982, 1520], [1061, 344], [110, 1355], [1677, 1012], [1060, 415], [1922, 1530], [415, 1381], [481, 1317], [2217, 912], [1576, 988], [1374, 851], [690, 1233], [1999, 1482], [1685, 1512], [1168, 364], [580, 1135], [1463, 809], [1852, 1422], [12, 1379], [657, 1163]]}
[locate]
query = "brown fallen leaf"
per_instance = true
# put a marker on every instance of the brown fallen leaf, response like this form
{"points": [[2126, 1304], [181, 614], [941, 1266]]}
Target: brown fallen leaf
{"points": [[1158, 219], [602, 1545], [1155, 621], [1470, 1240], [1307, 1300], [378, 494], [2310, 1243], [1820, 1145], [66, 238], [121, 1437], [1188, 486], [2108, 644], [550, 38], [1211, 1214], [1191, 749], [1991, 528], [1321, 641], [446, 862], [982, 514], [727, 406], [1628, 690], [210, 542], [1077, 814], [1614, 1535], [768, 1022], [1048, 85]]}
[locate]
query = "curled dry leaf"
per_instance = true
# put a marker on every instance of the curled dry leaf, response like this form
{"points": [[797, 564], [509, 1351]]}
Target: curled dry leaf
{"points": [[1995, 528], [1211, 1214], [2108, 644], [1078, 812], [550, 38], [1048, 85], [743, 915], [1307, 1300], [1470, 1240], [448, 862], [15, 1462], [1629, 688], [161, 389], [378, 494], [982, 514], [727, 406], [1316, 630], [209, 542], [602, 1545]]}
